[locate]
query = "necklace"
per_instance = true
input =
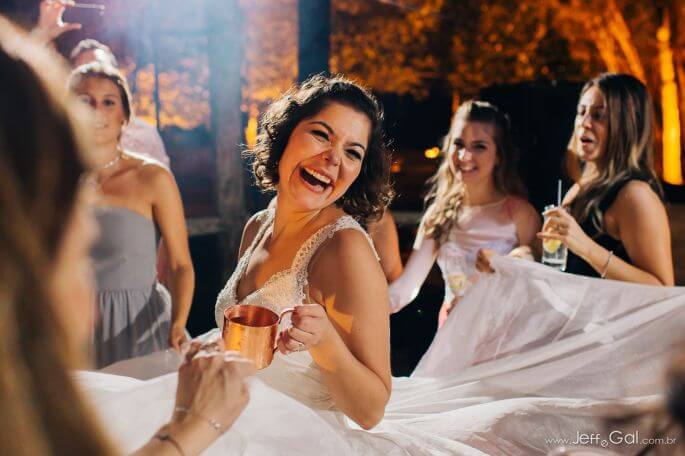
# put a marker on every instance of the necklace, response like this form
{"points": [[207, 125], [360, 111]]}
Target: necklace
{"points": [[109, 164], [100, 180]]}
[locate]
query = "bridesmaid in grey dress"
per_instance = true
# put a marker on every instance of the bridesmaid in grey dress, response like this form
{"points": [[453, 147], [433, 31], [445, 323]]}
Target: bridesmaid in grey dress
{"points": [[134, 309], [138, 196]]}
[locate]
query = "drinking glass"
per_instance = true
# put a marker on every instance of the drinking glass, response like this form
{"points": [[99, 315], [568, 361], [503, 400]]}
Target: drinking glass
{"points": [[554, 252], [457, 269]]}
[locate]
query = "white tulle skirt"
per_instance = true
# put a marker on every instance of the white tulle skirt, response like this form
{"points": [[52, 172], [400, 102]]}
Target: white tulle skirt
{"points": [[531, 359]]}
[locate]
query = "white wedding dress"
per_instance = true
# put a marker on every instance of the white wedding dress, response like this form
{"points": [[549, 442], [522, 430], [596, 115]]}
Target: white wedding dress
{"points": [[541, 360]]}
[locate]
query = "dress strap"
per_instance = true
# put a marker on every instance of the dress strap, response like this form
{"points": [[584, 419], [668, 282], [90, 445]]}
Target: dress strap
{"points": [[309, 248], [265, 218], [227, 296], [511, 205]]}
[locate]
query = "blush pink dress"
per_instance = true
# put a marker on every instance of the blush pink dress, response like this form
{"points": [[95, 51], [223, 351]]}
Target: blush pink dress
{"points": [[489, 226]]}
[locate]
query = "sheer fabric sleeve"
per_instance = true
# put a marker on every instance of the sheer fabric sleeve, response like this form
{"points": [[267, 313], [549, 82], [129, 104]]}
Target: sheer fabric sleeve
{"points": [[403, 290]]}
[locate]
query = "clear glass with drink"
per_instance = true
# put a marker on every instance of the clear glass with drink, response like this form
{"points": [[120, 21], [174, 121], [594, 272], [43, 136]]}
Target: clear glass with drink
{"points": [[456, 267], [554, 252], [457, 282]]}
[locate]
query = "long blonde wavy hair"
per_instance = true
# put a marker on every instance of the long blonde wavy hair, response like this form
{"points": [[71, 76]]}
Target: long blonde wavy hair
{"points": [[629, 151], [41, 165], [447, 194]]}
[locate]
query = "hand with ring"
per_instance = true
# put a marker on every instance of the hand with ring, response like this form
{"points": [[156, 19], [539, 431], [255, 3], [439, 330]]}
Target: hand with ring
{"points": [[310, 326], [210, 395], [561, 225]]}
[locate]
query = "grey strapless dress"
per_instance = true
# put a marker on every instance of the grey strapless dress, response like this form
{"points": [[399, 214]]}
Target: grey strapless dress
{"points": [[134, 309]]}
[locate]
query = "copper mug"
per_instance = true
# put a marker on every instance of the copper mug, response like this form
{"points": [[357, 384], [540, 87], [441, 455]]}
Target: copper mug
{"points": [[252, 331]]}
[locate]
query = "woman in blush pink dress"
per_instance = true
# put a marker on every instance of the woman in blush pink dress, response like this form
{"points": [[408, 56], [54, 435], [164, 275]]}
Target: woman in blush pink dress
{"points": [[474, 207]]}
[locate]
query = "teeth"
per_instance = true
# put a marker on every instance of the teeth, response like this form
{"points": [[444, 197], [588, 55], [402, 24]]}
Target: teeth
{"points": [[319, 176]]}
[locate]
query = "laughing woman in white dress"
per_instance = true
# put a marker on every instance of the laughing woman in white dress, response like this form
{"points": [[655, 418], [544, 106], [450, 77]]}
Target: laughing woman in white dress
{"points": [[543, 363], [321, 149]]}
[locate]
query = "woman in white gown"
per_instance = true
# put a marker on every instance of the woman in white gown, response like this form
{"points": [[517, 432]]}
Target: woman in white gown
{"points": [[546, 355]]}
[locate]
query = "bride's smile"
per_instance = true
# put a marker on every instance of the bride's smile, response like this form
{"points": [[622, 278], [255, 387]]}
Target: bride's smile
{"points": [[323, 157]]}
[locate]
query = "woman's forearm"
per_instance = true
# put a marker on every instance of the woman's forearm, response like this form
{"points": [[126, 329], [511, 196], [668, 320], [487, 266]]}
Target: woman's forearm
{"points": [[356, 390], [616, 268], [182, 286], [191, 436], [407, 286]]}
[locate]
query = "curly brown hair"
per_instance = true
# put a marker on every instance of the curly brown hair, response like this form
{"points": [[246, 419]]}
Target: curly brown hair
{"points": [[371, 192]]}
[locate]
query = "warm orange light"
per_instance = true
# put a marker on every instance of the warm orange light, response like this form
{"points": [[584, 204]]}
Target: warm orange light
{"points": [[183, 94], [432, 153], [251, 128], [670, 109]]}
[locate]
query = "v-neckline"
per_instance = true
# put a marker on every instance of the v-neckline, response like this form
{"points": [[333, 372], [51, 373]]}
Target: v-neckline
{"points": [[244, 263]]}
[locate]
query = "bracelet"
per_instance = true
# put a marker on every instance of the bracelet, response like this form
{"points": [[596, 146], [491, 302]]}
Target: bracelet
{"points": [[214, 423], [606, 265], [164, 436]]}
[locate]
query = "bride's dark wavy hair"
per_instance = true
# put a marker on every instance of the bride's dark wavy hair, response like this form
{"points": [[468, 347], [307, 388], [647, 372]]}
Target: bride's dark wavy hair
{"points": [[371, 192], [41, 165]]}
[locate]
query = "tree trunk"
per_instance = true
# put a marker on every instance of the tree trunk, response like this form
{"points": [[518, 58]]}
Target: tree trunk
{"points": [[672, 170], [225, 52], [314, 32], [621, 32], [677, 9]]}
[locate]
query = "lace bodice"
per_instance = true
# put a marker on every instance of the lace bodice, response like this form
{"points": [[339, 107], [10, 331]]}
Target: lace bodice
{"points": [[286, 288], [295, 374]]}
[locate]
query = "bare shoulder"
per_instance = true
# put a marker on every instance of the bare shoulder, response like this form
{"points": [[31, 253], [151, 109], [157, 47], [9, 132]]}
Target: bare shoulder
{"points": [[350, 254], [345, 271], [526, 220], [150, 171], [347, 242], [636, 202], [144, 159], [384, 227], [255, 222], [251, 229], [524, 211], [637, 192]]}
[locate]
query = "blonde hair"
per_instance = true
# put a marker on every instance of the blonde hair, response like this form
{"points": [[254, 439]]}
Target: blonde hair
{"points": [[41, 409], [629, 151], [447, 193]]}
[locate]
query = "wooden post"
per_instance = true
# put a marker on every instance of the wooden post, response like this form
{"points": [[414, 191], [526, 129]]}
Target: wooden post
{"points": [[314, 33], [225, 54]]}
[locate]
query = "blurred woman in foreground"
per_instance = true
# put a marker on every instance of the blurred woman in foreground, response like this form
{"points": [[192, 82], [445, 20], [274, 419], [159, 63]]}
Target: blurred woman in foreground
{"points": [[46, 283]]}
